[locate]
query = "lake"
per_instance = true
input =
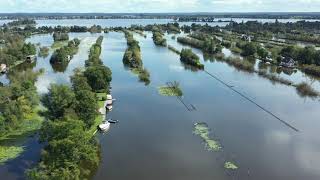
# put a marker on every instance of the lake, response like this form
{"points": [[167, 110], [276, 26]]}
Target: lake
{"points": [[129, 22], [155, 139]]}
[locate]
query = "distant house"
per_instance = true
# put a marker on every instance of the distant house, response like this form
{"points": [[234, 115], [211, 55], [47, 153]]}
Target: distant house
{"points": [[246, 37], [3, 68], [31, 58], [287, 62], [269, 57]]}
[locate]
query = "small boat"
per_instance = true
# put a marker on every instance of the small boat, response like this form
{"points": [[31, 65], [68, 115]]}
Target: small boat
{"points": [[109, 102], [112, 121], [109, 97], [104, 126], [109, 107]]}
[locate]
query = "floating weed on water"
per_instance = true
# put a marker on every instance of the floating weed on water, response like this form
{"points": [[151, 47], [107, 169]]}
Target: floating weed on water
{"points": [[169, 91], [173, 90], [202, 130], [230, 165], [9, 152]]}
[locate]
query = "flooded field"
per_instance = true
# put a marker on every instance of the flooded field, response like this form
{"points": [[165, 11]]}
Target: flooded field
{"points": [[156, 137]]}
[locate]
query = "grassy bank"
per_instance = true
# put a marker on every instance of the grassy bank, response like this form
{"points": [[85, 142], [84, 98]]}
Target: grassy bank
{"points": [[10, 143]]}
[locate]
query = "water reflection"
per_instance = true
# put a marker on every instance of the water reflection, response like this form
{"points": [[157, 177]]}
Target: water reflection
{"points": [[157, 129], [59, 67]]}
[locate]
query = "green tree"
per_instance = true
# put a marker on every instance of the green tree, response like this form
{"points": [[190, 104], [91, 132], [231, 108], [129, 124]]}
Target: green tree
{"points": [[249, 49], [98, 77], [262, 52], [58, 100], [70, 153]]}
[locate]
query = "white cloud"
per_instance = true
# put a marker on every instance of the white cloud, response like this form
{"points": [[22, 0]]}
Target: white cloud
{"points": [[157, 5]]}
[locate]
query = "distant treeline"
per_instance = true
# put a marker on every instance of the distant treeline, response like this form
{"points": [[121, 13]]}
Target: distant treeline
{"points": [[280, 15]]}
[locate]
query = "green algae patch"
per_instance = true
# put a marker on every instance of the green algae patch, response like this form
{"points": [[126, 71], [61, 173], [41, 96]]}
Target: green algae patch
{"points": [[11, 143], [202, 130], [230, 165], [59, 44], [172, 90], [9, 152]]}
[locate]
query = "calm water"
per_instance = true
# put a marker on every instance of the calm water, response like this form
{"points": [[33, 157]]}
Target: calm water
{"points": [[154, 138], [129, 22]]}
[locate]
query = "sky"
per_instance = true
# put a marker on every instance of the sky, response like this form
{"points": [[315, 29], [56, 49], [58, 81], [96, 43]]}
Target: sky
{"points": [[157, 6]]}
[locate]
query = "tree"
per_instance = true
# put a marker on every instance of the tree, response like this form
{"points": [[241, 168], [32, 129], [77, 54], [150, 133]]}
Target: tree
{"points": [[70, 153], [29, 49], [262, 52], [86, 104], [59, 36], [86, 107], [249, 49], [98, 77], [188, 57], [58, 100]]}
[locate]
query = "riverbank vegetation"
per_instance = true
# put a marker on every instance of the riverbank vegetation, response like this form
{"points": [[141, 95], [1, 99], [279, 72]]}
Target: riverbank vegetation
{"points": [[44, 52], [60, 36], [66, 53], [188, 57], [158, 38], [132, 55], [71, 116], [132, 59], [98, 75], [19, 110], [305, 90], [14, 50], [173, 49], [21, 22], [209, 45], [95, 29]]}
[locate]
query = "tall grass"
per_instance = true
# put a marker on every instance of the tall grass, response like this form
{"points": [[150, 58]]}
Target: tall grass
{"points": [[305, 90]]}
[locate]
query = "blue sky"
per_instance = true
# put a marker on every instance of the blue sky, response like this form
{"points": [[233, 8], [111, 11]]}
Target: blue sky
{"points": [[114, 6]]}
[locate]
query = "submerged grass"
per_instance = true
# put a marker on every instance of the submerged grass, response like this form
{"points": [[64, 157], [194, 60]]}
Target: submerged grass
{"points": [[230, 165], [173, 49], [274, 78], [202, 130], [58, 44], [305, 90], [10, 143], [9, 152], [170, 90], [143, 75]]}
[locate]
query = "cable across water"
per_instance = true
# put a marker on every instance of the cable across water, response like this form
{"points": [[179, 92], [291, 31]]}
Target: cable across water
{"points": [[252, 101]]}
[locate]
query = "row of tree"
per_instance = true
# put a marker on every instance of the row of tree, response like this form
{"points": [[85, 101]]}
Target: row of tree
{"points": [[190, 58], [158, 38], [17, 100], [65, 53], [60, 36], [98, 75], [208, 45], [132, 55], [14, 49], [71, 152], [132, 59]]}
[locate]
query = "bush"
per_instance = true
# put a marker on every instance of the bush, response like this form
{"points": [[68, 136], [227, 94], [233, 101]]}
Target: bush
{"points": [[158, 39], [305, 90], [59, 36], [188, 57]]}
